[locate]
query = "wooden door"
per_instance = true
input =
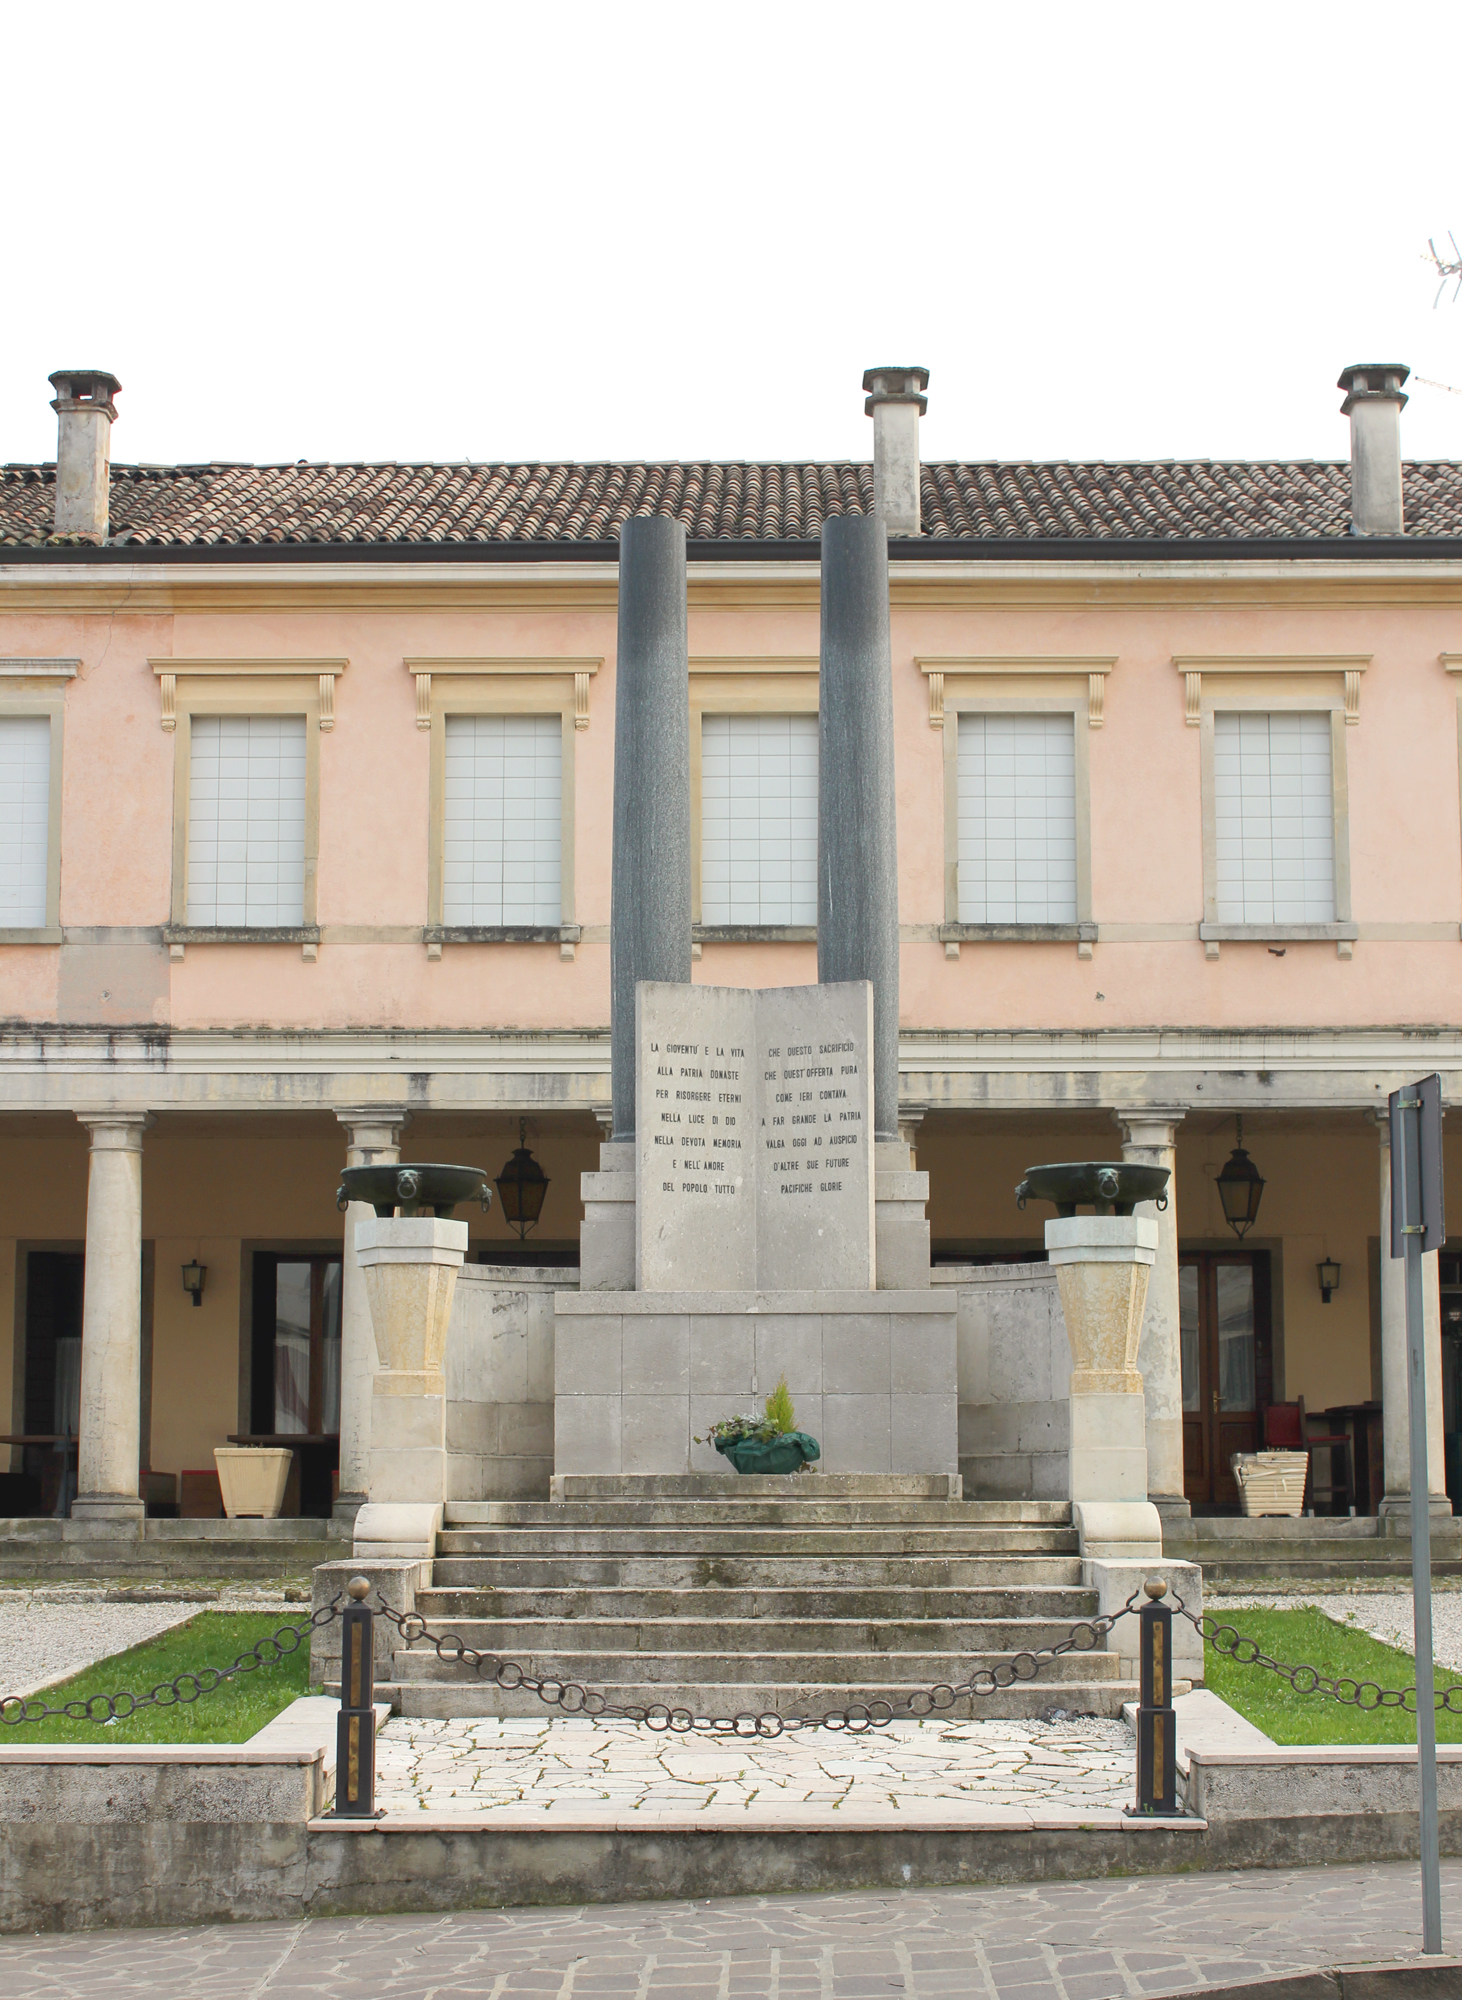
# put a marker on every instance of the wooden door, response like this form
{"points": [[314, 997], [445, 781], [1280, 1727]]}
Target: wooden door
{"points": [[1222, 1304]]}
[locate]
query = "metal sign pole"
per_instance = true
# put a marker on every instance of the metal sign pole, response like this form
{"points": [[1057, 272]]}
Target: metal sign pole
{"points": [[1416, 1220]]}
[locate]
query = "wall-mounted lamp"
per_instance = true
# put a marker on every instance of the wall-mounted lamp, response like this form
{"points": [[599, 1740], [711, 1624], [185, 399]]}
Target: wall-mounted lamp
{"points": [[521, 1186], [1328, 1272], [1240, 1187], [194, 1276]]}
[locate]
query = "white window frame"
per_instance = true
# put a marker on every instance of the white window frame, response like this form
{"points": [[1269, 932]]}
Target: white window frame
{"points": [[189, 687], [31, 688], [1275, 684], [1018, 684], [501, 686], [743, 684]]}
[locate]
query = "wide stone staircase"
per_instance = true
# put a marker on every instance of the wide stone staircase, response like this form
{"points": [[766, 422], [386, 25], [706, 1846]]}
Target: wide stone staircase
{"points": [[723, 1595]]}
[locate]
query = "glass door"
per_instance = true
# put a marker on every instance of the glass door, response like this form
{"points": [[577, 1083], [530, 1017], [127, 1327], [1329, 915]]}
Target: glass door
{"points": [[1223, 1321]]}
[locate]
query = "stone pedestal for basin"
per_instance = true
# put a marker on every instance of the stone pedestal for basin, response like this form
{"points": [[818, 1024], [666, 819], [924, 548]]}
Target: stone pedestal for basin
{"points": [[409, 1265], [1102, 1264]]}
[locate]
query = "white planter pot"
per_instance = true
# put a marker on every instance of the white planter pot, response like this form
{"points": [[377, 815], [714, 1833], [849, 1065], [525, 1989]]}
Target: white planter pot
{"points": [[1271, 1482], [253, 1478]]}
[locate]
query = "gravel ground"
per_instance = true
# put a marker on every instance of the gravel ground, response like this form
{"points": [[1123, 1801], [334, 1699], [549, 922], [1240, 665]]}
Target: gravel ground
{"points": [[1385, 1614], [53, 1631]]}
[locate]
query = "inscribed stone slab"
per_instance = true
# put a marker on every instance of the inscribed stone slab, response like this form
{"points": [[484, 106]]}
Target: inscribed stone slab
{"points": [[755, 1161]]}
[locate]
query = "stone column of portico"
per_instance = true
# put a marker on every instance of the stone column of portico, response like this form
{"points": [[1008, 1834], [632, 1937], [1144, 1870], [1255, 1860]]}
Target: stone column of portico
{"points": [[108, 1486], [1396, 1502], [372, 1139], [1149, 1139]]}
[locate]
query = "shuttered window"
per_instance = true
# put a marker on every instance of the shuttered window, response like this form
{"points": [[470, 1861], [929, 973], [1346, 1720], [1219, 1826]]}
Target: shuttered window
{"points": [[759, 819], [1274, 819], [246, 821], [25, 803], [503, 820], [1017, 819]]}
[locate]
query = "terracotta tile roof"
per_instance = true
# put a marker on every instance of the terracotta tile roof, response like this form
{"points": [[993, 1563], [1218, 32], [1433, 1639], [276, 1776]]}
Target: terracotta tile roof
{"points": [[224, 506]]}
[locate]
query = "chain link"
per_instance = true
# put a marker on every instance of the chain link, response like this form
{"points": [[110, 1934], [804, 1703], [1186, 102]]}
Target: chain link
{"points": [[16, 1709], [1368, 1695], [575, 1699]]}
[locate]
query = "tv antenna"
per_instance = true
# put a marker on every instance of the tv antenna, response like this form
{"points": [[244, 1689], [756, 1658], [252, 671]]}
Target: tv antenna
{"points": [[1447, 268]]}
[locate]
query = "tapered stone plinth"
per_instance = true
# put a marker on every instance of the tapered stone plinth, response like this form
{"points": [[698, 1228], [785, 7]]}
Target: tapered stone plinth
{"points": [[410, 1267], [1102, 1264]]}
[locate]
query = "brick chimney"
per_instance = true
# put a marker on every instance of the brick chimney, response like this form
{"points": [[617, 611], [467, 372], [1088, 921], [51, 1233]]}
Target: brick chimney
{"points": [[1374, 402], [896, 405], [84, 405]]}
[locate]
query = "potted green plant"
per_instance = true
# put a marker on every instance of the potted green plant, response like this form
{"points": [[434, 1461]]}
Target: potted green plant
{"points": [[767, 1443]]}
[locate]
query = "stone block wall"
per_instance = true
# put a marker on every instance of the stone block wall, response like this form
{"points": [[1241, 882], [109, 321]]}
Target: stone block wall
{"points": [[499, 1368], [639, 1374], [1014, 1380]]}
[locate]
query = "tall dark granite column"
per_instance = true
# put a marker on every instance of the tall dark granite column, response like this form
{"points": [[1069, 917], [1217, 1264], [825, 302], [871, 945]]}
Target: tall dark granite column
{"points": [[857, 838], [649, 923]]}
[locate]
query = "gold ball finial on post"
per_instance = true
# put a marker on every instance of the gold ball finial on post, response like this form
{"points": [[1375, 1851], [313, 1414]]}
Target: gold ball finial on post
{"points": [[359, 1587], [1156, 1587]]}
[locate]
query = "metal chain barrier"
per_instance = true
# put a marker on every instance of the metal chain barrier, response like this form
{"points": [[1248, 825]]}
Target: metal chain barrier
{"points": [[574, 1699], [1369, 1695], [16, 1709]]}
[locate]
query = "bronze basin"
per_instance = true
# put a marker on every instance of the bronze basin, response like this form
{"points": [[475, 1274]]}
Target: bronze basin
{"points": [[1113, 1187], [415, 1189]]}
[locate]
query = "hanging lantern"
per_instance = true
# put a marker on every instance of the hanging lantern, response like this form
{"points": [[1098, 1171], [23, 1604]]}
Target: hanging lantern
{"points": [[1240, 1187], [521, 1186], [1328, 1273]]}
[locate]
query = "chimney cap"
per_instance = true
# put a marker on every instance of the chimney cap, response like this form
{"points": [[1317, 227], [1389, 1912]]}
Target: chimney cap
{"points": [[896, 385], [1373, 382], [84, 388]]}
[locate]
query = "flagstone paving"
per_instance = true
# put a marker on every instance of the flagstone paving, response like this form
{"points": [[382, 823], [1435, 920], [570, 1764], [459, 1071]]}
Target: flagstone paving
{"points": [[1148, 1935], [562, 1766]]}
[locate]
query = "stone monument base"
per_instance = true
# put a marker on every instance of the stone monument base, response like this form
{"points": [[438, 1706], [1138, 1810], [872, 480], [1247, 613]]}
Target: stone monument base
{"points": [[637, 1375]]}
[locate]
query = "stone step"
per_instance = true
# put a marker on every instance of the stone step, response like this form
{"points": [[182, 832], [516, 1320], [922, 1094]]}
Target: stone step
{"points": [[900, 1603], [780, 1541], [1248, 1568], [705, 1634], [740, 1514], [766, 1670], [1041, 1697], [631, 1569], [752, 1486]]}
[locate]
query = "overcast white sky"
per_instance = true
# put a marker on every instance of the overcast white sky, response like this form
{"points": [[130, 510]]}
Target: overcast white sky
{"points": [[649, 230]]}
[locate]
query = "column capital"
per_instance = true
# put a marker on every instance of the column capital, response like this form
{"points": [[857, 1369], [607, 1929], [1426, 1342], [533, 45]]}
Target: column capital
{"points": [[1380, 1117], [373, 1128], [115, 1131], [1149, 1125]]}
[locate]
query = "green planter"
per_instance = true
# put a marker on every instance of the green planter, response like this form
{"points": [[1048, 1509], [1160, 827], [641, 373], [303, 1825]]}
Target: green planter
{"points": [[782, 1454]]}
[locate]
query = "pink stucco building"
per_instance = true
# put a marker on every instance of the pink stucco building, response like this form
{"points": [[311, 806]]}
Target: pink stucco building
{"points": [[305, 787]]}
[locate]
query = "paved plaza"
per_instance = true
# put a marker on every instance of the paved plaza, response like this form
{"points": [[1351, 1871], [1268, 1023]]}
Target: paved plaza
{"points": [[558, 1768], [1070, 1941]]}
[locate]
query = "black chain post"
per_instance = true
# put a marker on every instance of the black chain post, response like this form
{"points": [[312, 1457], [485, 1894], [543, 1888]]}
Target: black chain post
{"points": [[1157, 1723], [355, 1730]]}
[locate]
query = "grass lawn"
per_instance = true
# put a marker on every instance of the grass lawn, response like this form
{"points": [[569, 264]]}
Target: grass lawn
{"points": [[1309, 1638], [231, 1714]]}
